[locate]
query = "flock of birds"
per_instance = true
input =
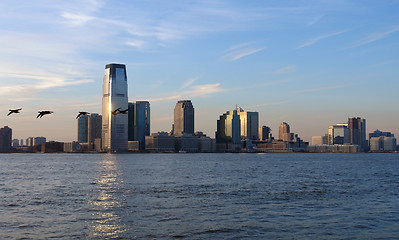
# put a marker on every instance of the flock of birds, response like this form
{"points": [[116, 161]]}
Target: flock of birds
{"points": [[46, 112]]}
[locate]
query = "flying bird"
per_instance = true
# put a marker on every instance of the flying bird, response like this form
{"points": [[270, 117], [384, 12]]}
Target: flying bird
{"points": [[81, 114], [42, 113], [116, 111], [124, 111], [14, 111]]}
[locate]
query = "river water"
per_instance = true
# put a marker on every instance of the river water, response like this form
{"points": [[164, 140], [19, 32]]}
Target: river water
{"points": [[199, 196]]}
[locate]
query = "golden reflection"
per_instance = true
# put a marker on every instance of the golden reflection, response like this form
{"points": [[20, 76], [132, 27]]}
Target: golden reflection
{"points": [[107, 221]]}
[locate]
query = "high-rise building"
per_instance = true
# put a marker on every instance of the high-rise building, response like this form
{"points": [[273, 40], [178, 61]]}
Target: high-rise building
{"points": [[338, 134], [357, 132], [83, 129], [249, 124], [265, 133], [284, 132], [38, 141], [115, 96], [183, 118], [94, 127], [5, 139], [229, 128], [139, 122]]}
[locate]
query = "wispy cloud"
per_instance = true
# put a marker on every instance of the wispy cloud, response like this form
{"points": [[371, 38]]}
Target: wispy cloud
{"points": [[238, 51], [317, 39], [203, 90], [377, 36], [285, 69], [189, 82]]}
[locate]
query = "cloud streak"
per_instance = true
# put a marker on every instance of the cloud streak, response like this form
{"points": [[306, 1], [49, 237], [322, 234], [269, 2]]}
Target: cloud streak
{"points": [[319, 38], [378, 36], [189, 82]]}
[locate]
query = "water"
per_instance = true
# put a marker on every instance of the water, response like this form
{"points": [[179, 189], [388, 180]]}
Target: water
{"points": [[199, 196]]}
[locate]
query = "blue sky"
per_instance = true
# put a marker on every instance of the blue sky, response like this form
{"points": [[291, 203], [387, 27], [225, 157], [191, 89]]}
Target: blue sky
{"points": [[309, 63]]}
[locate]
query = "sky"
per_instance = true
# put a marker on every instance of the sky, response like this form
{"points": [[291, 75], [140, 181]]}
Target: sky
{"points": [[310, 63]]}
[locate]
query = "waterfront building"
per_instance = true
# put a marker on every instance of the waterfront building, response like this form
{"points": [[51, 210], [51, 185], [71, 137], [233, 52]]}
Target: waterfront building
{"points": [[284, 132], [5, 139], [183, 118], [139, 122], [228, 133], [94, 127], [83, 129], [338, 148], [21, 142], [38, 141], [72, 147], [160, 142], [115, 96], [249, 124], [186, 143], [382, 144], [319, 140], [265, 133], [338, 134], [357, 132], [15, 143]]}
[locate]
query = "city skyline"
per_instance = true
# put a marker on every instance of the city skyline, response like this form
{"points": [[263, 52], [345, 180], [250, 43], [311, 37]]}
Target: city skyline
{"points": [[310, 64]]}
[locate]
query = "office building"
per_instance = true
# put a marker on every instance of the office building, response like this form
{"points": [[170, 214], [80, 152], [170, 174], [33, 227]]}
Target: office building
{"points": [[229, 128], [338, 134], [38, 141], [183, 118], [94, 127], [265, 133], [160, 142], [382, 144], [357, 132], [139, 122], [5, 139], [319, 140], [115, 96], [249, 124], [284, 132], [15, 143], [83, 129]]}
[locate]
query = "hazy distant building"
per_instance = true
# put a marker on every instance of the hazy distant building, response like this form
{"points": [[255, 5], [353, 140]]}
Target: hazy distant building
{"points": [[249, 124], [183, 118], [357, 132], [284, 132], [139, 122], [5, 139], [319, 140], [265, 133], [38, 141], [15, 143], [383, 144], [338, 134], [94, 127], [115, 96]]}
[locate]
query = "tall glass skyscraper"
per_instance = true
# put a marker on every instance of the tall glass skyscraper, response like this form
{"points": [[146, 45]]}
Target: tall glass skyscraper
{"points": [[183, 118], [83, 129], [139, 122], [114, 126]]}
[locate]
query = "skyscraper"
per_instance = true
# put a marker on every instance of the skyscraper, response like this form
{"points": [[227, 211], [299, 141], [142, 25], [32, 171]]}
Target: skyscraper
{"points": [[284, 132], [139, 122], [357, 132], [265, 133], [114, 125], [338, 134], [229, 128], [5, 139], [183, 118], [94, 127], [249, 124], [83, 129]]}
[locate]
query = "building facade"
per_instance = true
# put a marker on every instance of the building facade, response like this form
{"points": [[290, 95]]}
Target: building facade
{"points": [[139, 122], [83, 129], [265, 133], [115, 96], [183, 118], [5, 139], [94, 127], [357, 132], [284, 132], [338, 134], [229, 128], [249, 124]]}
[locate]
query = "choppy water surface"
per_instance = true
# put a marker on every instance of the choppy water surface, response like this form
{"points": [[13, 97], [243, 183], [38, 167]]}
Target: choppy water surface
{"points": [[199, 196]]}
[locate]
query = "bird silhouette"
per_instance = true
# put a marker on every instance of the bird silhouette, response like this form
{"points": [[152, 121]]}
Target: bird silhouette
{"points": [[81, 114], [124, 111], [42, 113], [116, 111], [14, 111]]}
